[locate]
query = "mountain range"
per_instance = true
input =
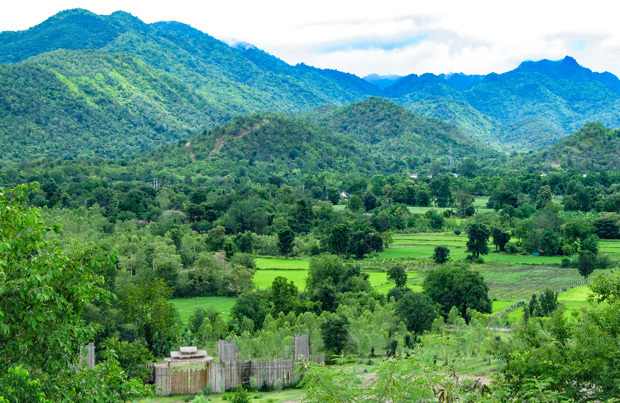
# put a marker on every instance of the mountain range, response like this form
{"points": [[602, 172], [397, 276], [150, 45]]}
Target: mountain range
{"points": [[81, 85]]}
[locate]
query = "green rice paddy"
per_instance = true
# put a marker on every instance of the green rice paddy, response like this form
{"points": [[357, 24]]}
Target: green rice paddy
{"points": [[264, 277], [511, 278], [281, 263], [187, 306]]}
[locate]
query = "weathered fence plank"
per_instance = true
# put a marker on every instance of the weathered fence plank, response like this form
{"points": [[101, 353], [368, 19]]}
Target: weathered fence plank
{"points": [[180, 382], [163, 381]]}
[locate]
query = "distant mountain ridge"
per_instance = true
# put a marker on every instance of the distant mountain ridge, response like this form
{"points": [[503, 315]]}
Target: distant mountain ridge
{"points": [[58, 63], [527, 108]]}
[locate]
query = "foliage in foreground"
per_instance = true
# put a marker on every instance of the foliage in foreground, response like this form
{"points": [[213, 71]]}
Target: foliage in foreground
{"points": [[43, 293], [576, 357]]}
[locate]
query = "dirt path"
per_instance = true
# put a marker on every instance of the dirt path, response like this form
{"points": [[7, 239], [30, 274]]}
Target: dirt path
{"points": [[219, 142]]}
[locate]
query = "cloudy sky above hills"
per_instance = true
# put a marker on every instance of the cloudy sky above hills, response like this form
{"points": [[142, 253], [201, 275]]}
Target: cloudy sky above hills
{"points": [[381, 36]]}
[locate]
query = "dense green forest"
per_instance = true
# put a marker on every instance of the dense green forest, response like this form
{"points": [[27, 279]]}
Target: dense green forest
{"points": [[157, 83], [159, 189]]}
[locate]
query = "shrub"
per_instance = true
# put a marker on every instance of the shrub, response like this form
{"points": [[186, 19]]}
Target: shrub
{"points": [[512, 248], [240, 396]]}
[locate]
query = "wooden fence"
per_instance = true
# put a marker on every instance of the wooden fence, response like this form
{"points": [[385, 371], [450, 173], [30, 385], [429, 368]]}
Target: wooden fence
{"points": [[220, 377], [229, 372], [170, 381]]}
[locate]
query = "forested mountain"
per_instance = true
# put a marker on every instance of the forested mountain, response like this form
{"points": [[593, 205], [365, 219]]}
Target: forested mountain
{"points": [[260, 145], [74, 104], [527, 108], [81, 84], [207, 64], [117, 86]]}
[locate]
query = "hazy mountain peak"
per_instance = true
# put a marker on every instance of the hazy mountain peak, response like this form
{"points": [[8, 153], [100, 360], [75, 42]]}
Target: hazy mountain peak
{"points": [[565, 68]]}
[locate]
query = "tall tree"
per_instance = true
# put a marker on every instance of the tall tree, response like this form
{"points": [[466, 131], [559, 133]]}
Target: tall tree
{"points": [[286, 237], [586, 263], [544, 196], [457, 285], [283, 295], [441, 254], [338, 240], [478, 235], [500, 238], [398, 275], [335, 333], [417, 311]]}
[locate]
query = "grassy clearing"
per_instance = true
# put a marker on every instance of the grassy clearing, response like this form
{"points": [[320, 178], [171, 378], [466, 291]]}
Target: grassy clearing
{"points": [[501, 305], [187, 306], [481, 202], [422, 246], [420, 252], [281, 263], [264, 278], [522, 259], [610, 247], [426, 242], [286, 395], [575, 294]]}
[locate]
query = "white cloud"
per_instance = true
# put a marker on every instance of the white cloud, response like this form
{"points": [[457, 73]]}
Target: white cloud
{"points": [[390, 36]]}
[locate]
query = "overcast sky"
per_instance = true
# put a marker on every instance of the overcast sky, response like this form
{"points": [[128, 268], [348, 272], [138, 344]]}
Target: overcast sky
{"points": [[381, 36]]}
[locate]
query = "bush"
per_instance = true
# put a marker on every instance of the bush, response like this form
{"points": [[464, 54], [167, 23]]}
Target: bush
{"points": [[512, 248], [240, 396], [457, 231], [441, 255], [566, 262]]}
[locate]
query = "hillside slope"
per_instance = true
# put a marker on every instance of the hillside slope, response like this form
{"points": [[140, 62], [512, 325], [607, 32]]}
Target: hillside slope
{"points": [[593, 148], [82, 84], [76, 104]]}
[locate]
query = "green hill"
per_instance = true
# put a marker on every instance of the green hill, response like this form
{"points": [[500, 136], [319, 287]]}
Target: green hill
{"points": [[411, 139], [366, 137], [82, 84], [593, 148], [260, 145]]}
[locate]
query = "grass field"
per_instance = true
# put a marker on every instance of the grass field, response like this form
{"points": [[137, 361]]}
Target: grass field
{"points": [[480, 203], [511, 278], [512, 283], [423, 246], [264, 277], [610, 247], [574, 298], [187, 306], [281, 263]]}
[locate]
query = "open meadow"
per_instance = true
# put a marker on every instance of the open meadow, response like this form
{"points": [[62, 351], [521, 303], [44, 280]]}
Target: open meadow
{"points": [[511, 278], [187, 306]]}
